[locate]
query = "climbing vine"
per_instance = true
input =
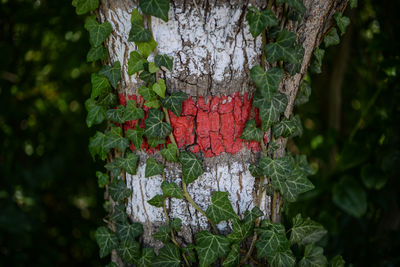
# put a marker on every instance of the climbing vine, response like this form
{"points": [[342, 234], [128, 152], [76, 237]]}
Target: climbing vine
{"points": [[254, 238]]}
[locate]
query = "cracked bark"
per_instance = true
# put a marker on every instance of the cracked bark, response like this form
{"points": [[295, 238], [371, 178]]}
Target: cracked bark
{"points": [[213, 52]]}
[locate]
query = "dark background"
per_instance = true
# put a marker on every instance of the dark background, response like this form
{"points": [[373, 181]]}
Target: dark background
{"points": [[50, 205]]}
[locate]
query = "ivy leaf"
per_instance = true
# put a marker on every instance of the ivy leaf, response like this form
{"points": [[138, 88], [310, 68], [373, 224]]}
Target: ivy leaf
{"points": [[211, 247], [118, 190], [164, 61], [114, 167], [135, 63], [163, 234], [102, 179], [168, 256], [191, 167], [153, 68], [349, 195], [241, 230], [170, 152], [268, 82], [176, 224], [155, 127], [146, 93], [272, 240], [332, 38], [233, 258], [353, 3], [220, 208], [132, 112], [129, 163], [129, 250], [297, 8], [152, 103], [96, 53], [97, 145], [114, 139], [96, 114], [156, 201], [100, 85], [303, 166], [270, 112], [106, 240], [251, 216], [147, 77], [153, 168], [255, 171], [98, 32], [189, 252], [282, 259], [342, 22], [156, 8], [337, 261], [294, 184], [305, 231], [317, 62], [146, 48], [313, 257], [136, 136], [112, 73], [116, 114], [171, 190], [285, 128], [84, 6], [119, 213], [159, 88], [128, 231], [295, 66], [147, 257], [251, 132], [258, 21], [276, 169], [282, 49], [108, 100], [304, 94], [138, 33], [174, 102], [155, 141]]}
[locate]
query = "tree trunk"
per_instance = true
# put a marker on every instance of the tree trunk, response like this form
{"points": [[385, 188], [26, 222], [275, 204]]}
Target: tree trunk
{"points": [[213, 51]]}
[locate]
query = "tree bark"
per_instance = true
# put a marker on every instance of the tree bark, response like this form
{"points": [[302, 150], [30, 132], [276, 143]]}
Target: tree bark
{"points": [[213, 52]]}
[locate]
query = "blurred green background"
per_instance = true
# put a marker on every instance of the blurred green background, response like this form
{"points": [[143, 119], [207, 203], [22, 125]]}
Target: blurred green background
{"points": [[49, 201]]}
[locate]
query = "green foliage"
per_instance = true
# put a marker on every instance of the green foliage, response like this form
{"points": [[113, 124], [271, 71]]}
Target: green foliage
{"points": [[135, 63], [332, 38], [114, 139], [170, 153], [153, 168], [132, 112], [146, 48], [84, 6], [96, 114], [163, 234], [164, 61], [171, 189], [96, 53], [220, 208], [147, 257], [350, 196], [191, 167], [297, 7], [106, 240], [233, 258], [156, 201], [286, 127], [136, 136], [102, 179], [304, 93], [174, 102], [138, 33], [129, 163], [271, 109], [317, 62], [113, 73], [157, 8], [260, 20], [337, 261], [342, 22], [116, 114], [159, 88], [251, 132], [97, 146], [168, 256], [127, 231], [305, 231], [155, 126], [100, 85], [118, 190], [98, 32], [283, 48], [313, 257], [211, 247], [129, 250], [267, 82]]}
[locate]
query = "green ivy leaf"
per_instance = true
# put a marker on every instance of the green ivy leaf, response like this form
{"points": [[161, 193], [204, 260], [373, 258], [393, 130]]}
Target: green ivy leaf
{"points": [[119, 213], [118, 190], [146, 93], [139, 34], [337, 261], [155, 127], [108, 100], [332, 38], [233, 258], [155, 141], [114, 139], [175, 224], [211, 247], [164, 61], [350, 196], [146, 48], [97, 146], [220, 208], [171, 190], [272, 239], [153, 68], [132, 112], [251, 132], [168, 256], [128, 231], [100, 85], [316, 65], [114, 167], [147, 257], [96, 53], [96, 114], [353, 3], [313, 257], [147, 77], [305, 231], [129, 250], [296, 6], [255, 171], [174, 102], [285, 128], [102, 179], [84, 6], [116, 114], [98, 32], [268, 82], [156, 201], [258, 21], [302, 164], [106, 240], [304, 94], [282, 259], [189, 252], [283, 48], [251, 216], [342, 22], [276, 169], [156, 8], [269, 113], [136, 17], [152, 103], [163, 234], [241, 230], [153, 168], [136, 136], [170, 152], [112, 73], [135, 63], [295, 66], [159, 88], [129, 163], [191, 167]]}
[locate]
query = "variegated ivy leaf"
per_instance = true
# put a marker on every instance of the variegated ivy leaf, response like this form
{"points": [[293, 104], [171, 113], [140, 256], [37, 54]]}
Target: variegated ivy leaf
{"points": [[132, 112], [128, 231], [136, 136], [260, 20], [282, 259], [155, 127], [269, 113], [164, 61], [155, 141], [129, 250], [342, 22], [295, 66], [98, 32], [147, 257], [332, 38], [146, 92], [113, 73], [282, 48], [118, 190], [276, 169], [241, 230], [255, 171], [129, 163], [189, 252], [267, 82], [153, 168], [147, 77], [84, 6], [96, 114], [251, 216], [116, 114], [302, 164], [313, 257], [285, 128], [211, 247], [135, 63], [138, 33], [175, 224], [146, 48], [233, 258], [171, 189], [272, 240], [102, 179], [168, 256], [305, 231], [220, 208], [100, 85], [174, 102], [191, 167], [119, 213], [106, 240], [170, 152], [96, 53], [297, 7], [163, 234], [337, 261], [251, 132], [114, 139], [114, 167], [97, 146], [156, 201], [159, 88], [108, 100], [156, 8]]}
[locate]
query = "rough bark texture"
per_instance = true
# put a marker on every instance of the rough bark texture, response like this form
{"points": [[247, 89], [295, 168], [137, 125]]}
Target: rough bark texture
{"points": [[213, 52]]}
